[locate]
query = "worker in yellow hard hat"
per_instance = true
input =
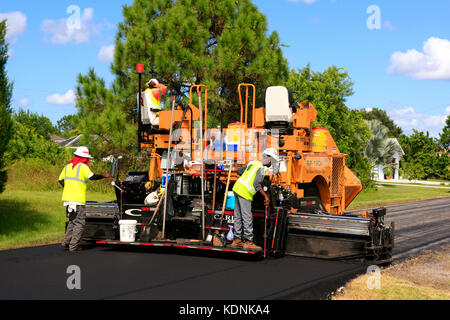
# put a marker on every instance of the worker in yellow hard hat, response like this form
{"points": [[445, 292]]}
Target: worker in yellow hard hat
{"points": [[73, 179], [156, 90], [244, 189]]}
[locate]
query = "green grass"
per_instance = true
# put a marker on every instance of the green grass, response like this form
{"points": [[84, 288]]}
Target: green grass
{"points": [[392, 194], [30, 218], [442, 184]]}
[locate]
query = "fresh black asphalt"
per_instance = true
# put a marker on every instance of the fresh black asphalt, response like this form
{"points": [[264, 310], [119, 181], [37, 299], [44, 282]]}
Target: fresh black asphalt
{"points": [[41, 272]]}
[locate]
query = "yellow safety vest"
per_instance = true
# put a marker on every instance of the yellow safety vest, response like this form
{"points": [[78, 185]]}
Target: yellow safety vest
{"points": [[156, 103], [75, 182], [244, 186]]}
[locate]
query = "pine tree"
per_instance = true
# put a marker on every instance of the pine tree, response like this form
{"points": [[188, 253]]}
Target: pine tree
{"points": [[219, 43], [104, 122], [5, 106]]}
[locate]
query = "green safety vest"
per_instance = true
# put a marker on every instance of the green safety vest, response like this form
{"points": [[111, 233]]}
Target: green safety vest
{"points": [[244, 186], [75, 182]]}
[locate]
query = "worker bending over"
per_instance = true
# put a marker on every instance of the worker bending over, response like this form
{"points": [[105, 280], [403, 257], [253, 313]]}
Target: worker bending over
{"points": [[153, 100], [74, 178], [244, 190]]}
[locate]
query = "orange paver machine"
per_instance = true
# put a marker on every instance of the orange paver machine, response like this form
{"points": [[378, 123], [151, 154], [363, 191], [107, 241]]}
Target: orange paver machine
{"points": [[184, 199]]}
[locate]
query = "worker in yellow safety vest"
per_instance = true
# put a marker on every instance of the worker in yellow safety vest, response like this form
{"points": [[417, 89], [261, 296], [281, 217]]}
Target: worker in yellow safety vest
{"points": [[156, 90], [74, 178], [244, 189]]}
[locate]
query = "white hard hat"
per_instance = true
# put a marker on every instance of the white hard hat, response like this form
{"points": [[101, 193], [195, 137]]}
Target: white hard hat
{"points": [[272, 152], [156, 82], [82, 152]]}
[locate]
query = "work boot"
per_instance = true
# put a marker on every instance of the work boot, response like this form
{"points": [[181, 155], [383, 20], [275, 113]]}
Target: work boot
{"points": [[249, 245], [77, 249], [237, 243]]}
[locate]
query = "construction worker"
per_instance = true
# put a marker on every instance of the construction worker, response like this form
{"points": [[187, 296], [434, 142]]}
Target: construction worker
{"points": [[156, 90], [244, 189], [73, 179]]}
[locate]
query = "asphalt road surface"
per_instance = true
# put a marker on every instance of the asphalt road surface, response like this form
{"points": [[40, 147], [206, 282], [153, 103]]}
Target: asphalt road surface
{"points": [[41, 272], [420, 226]]}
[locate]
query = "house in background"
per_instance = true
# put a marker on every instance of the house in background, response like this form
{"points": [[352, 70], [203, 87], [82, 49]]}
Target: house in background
{"points": [[378, 172], [57, 139], [69, 143]]}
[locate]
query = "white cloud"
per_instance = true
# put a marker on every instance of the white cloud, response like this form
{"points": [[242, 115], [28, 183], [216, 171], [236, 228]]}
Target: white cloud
{"points": [[106, 53], [408, 119], [64, 30], [16, 24], [431, 64], [389, 26], [25, 102], [62, 99]]}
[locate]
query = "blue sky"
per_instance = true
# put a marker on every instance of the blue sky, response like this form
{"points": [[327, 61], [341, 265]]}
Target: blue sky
{"points": [[402, 67]]}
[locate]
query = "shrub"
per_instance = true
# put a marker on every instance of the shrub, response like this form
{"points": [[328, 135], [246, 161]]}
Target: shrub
{"points": [[35, 174]]}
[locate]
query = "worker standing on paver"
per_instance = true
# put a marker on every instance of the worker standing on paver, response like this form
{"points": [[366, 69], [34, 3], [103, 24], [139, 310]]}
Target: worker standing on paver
{"points": [[244, 190], [74, 178], [156, 90]]}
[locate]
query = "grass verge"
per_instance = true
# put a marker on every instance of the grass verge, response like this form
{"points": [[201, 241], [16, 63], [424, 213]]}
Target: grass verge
{"points": [[393, 194], [425, 277], [30, 218]]}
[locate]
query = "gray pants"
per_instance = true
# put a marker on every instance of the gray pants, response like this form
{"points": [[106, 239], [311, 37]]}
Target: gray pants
{"points": [[243, 218], [75, 227]]}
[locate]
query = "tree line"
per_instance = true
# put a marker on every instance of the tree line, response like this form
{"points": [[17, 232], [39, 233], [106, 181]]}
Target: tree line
{"points": [[219, 44]]}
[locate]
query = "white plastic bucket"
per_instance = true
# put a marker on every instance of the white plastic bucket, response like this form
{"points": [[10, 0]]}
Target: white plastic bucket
{"points": [[128, 230]]}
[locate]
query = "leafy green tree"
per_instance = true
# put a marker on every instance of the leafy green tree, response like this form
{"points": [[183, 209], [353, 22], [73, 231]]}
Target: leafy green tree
{"points": [[328, 92], [442, 165], [422, 150], [26, 143], [219, 43], [445, 135], [5, 106], [381, 115], [414, 171], [68, 125], [41, 124], [417, 143]]}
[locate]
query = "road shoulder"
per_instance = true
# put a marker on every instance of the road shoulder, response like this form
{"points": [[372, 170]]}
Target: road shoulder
{"points": [[423, 277]]}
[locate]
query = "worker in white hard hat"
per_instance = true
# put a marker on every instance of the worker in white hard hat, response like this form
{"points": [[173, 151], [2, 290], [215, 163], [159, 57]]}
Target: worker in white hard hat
{"points": [[73, 179], [244, 189], [155, 91]]}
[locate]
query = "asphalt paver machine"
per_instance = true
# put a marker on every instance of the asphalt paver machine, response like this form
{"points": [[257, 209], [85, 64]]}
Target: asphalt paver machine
{"points": [[183, 199]]}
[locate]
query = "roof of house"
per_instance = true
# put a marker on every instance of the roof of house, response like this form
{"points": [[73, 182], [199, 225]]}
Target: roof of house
{"points": [[71, 142], [56, 138]]}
